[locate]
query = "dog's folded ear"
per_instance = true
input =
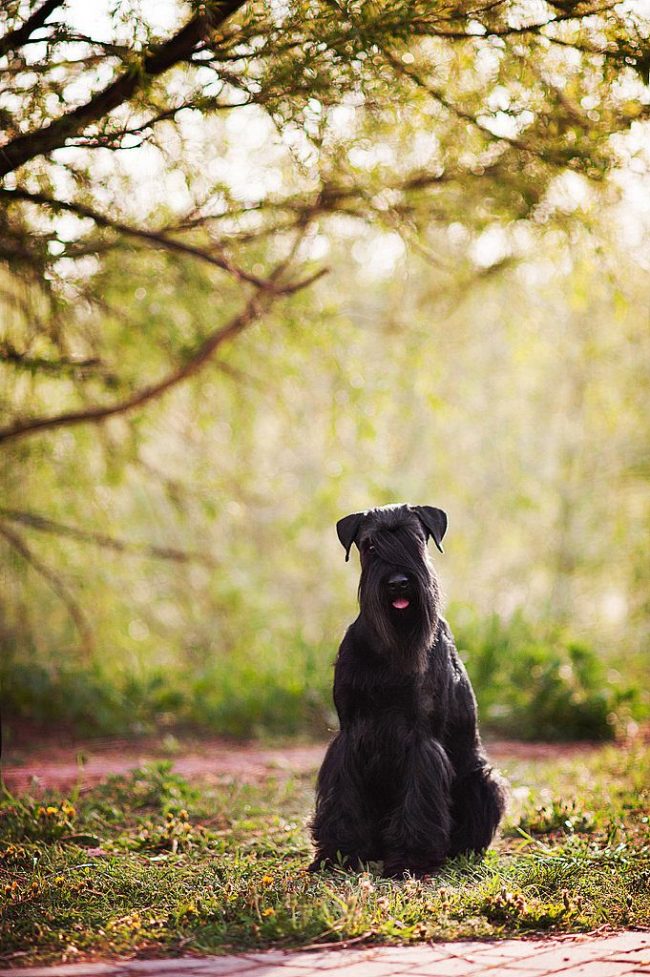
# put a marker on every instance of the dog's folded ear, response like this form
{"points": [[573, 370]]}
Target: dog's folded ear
{"points": [[434, 522], [347, 529]]}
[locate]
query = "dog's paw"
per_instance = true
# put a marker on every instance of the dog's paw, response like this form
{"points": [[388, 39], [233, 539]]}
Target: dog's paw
{"points": [[402, 868], [394, 871]]}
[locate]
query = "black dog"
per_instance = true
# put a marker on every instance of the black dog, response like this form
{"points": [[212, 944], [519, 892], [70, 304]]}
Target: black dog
{"points": [[405, 781]]}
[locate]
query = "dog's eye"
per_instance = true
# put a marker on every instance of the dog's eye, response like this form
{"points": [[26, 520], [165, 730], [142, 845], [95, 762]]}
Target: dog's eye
{"points": [[370, 548]]}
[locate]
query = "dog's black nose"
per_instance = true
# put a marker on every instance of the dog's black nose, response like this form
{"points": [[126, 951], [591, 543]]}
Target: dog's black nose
{"points": [[398, 583]]}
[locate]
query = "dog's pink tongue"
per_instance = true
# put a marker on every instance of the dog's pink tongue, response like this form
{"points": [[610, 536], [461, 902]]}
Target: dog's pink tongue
{"points": [[400, 603]]}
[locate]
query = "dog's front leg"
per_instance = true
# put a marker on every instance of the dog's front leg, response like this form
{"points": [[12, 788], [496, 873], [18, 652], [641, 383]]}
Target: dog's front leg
{"points": [[416, 838], [343, 826]]}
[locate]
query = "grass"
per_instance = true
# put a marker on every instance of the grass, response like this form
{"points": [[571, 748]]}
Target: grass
{"points": [[149, 864]]}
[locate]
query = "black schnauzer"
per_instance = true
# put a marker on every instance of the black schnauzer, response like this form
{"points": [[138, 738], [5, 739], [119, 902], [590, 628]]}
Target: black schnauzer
{"points": [[405, 781]]}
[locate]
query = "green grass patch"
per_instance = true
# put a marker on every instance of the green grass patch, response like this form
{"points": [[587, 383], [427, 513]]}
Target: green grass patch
{"points": [[150, 864]]}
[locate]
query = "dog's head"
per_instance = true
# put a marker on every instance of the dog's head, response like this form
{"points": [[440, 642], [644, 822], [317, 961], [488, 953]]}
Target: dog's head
{"points": [[398, 589]]}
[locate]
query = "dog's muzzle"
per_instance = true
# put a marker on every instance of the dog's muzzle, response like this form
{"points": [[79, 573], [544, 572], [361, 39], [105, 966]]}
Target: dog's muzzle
{"points": [[399, 591]]}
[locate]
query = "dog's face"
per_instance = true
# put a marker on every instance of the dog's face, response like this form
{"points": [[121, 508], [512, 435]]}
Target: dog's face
{"points": [[394, 560], [398, 589]]}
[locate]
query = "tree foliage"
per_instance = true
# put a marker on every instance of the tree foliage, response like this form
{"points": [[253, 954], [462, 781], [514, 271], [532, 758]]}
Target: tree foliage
{"points": [[486, 103]]}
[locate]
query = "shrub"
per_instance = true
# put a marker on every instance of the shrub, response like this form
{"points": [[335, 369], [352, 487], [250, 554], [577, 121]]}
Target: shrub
{"points": [[536, 683], [531, 682]]}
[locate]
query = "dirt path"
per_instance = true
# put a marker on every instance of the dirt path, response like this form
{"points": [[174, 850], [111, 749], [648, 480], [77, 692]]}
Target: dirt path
{"points": [[39, 766]]}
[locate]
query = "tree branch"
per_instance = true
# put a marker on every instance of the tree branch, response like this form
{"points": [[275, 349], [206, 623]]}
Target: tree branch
{"points": [[151, 237], [62, 366], [533, 28], [45, 525], [13, 40], [74, 610], [545, 155], [177, 48], [258, 304]]}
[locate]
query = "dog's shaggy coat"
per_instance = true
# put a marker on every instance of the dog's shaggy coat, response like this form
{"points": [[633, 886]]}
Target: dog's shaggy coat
{"points": [[405, 781]]}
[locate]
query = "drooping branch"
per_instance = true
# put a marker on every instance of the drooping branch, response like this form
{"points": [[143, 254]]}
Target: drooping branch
{"points": [[63, 366], [21, 428], [177, 49], [158, 238], [114, 140], [545, 155], [41, 523], [254, 308], [56, 584]]}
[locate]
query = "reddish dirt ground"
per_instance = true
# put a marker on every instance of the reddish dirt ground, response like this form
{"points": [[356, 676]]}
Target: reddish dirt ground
{"points": [[62, 762]]}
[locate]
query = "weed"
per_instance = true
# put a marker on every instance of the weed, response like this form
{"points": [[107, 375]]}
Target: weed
{"points": [[558, 816]]}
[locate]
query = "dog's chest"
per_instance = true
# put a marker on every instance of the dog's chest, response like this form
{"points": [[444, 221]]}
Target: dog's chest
{"points": [[385, 693]]}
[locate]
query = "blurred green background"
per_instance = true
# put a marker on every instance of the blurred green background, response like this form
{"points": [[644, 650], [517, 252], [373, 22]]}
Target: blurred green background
{"points": [[480, 343]]}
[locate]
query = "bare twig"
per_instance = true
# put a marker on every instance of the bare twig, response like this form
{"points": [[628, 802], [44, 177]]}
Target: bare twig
{"points": [[159, 238], [74, 610], [255, 307], [63, 365], [46, 525]]}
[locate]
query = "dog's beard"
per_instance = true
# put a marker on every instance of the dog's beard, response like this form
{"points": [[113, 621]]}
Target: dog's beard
{"points": [[402, 636]]}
